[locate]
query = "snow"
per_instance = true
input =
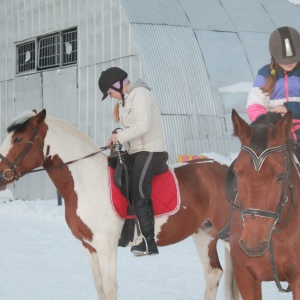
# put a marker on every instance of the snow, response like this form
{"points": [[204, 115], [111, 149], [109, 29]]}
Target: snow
{"points": [[297, 2], [239, 87], [40, 259]]}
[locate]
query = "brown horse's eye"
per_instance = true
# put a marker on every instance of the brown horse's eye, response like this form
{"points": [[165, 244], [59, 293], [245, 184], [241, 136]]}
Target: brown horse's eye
{"points": [[18, 140], [280, 177]]}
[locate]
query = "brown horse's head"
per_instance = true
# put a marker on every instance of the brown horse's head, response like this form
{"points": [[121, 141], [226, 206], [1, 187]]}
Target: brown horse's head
{"points": [[17, 153], [261, 172]]}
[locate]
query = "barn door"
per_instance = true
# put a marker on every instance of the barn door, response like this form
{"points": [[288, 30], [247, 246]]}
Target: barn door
{"points": [[60, 94], [56, 91]]}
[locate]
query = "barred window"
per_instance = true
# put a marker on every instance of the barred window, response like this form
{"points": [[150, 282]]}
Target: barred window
{"points": [[70, 47], [26, 57], [49, 51], [53, 51]]}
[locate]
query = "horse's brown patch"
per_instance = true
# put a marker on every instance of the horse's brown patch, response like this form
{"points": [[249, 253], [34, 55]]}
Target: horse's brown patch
{"points": [[63, 181], [202, 190]]}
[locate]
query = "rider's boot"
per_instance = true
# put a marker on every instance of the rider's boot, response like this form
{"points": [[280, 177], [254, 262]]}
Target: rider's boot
{"points": [[144, 210]]}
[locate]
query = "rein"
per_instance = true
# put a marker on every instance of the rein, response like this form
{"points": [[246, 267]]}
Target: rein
{"points": [[258, 161], [13, 166], [66, 163]]}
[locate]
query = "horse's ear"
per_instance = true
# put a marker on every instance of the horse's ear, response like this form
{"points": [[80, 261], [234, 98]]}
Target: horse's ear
{"points": [[241, 128], [39, 118], [284, 126], [34, 110], [42, 116]]}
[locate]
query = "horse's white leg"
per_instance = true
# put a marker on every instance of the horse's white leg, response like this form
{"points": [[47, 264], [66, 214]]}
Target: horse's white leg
{"points": [[107, 257], [231, 288], [94, 262], [206, 247]]}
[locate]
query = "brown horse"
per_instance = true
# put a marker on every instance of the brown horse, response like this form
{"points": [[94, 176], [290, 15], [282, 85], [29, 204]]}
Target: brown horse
{"points": [[265, 227], [58, 147]]}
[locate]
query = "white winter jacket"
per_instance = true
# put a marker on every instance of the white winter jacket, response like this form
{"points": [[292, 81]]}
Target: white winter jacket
{"points": [[140, 120]]}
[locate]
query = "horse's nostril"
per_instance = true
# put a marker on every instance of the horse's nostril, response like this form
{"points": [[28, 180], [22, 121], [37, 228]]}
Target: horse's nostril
{"points": [[258, 250]]}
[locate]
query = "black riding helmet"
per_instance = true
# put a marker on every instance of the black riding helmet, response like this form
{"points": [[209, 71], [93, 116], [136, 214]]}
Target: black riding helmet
{"points": [[109, 77]]}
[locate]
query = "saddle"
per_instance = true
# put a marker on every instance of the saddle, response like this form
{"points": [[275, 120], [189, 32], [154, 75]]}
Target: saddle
{"points": [[120, 161]]}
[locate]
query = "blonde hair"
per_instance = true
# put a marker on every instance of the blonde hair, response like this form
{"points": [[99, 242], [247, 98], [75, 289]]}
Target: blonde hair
{"points": [[116, 113], [268, 88], [116, 117]]}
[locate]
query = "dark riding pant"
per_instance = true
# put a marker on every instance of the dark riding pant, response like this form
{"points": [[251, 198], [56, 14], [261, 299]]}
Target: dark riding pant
{"points": [[144, 166]]}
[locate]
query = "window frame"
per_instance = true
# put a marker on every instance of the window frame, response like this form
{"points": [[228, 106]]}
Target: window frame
{"points": [[58, 55]]}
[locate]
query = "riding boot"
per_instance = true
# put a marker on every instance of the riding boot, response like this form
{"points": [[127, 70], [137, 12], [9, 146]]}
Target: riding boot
{"points": [[144, 210]]}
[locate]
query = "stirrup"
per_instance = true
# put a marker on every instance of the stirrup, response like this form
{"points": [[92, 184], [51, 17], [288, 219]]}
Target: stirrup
{"points": [[139, 253]]}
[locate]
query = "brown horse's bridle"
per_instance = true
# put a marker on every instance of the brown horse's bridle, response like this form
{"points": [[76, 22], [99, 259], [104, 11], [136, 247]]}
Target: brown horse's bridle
{"points": [[258, 162], [13, 166]]}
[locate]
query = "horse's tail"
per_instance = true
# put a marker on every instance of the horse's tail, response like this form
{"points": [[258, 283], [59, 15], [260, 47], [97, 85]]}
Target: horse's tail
{"points": [[232, 292]]}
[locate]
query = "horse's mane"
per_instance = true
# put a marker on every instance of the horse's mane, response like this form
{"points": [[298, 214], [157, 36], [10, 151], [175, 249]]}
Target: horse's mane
{"points": [[70, 129], [266, 119], [21, 121], [260, 127]]}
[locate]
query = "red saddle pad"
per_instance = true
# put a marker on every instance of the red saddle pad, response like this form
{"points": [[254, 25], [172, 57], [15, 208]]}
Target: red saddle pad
{"points": [[165, 195]]}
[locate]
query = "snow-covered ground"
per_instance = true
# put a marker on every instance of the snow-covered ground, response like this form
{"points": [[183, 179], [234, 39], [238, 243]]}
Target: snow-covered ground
{"points": [[41, 260]]}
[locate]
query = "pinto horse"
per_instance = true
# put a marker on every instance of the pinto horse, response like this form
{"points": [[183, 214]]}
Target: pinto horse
{"points": [[35, 140], [265, 226]]}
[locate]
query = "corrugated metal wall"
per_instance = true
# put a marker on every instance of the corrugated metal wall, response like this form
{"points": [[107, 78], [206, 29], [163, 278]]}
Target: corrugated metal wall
{"points": [[186, 49], [104, 39]]}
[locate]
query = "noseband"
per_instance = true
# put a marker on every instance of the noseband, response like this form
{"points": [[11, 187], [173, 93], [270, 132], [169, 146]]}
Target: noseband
{"points": [[258, 162], [13, 166]]}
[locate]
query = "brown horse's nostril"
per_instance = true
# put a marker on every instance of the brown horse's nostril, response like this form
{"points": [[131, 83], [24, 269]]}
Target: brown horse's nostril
{"points": [[259, 250]]}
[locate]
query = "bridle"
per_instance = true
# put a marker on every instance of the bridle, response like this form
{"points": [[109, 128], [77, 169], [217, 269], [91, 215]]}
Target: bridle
{"points": [[258, 162], [13, 166]]}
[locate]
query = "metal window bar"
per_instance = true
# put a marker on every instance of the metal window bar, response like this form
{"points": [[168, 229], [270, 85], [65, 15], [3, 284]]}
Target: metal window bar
{"points": [[26, 57], [70, 47], [49, 51]]}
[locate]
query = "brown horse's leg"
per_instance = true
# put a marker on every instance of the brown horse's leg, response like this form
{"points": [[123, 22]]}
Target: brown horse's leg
{"points": [[249, 289], [206, 247], [295, 286]]}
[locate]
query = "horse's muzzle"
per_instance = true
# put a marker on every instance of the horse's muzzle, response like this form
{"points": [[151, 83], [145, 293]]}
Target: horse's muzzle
{"points": [[257, 251]]}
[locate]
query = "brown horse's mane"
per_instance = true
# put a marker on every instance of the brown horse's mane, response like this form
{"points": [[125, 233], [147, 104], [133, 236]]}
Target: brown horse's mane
{"points": [[260, 127], [259, 138]]}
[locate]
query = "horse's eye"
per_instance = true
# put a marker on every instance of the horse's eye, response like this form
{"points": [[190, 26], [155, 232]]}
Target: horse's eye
{"points": [[18, 140], [280, 177]]}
